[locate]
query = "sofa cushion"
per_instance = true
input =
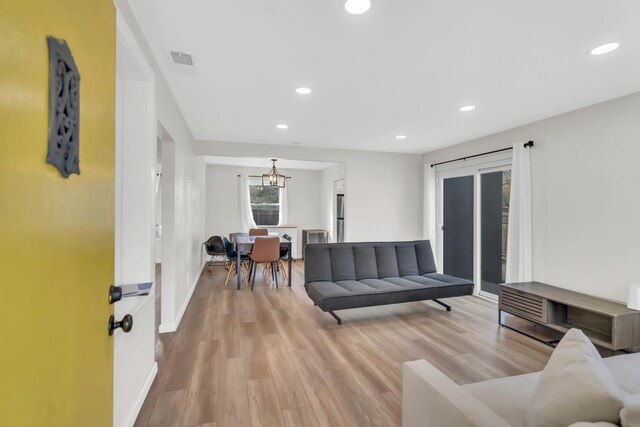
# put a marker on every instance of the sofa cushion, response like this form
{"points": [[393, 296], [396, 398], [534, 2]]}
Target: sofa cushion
{"points": [[575, 386], [630, 414], [426, 260], [508, 397], [342, 263], [387, 261], [446, 279], [596, 424], [407, 260], [364, 258], [346, 294], [332, 262], [626, 371]]}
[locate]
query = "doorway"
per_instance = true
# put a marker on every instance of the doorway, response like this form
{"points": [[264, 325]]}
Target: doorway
{"points": [[472, 214]]}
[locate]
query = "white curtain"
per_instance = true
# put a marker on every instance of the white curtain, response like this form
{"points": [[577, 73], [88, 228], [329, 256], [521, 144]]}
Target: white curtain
{"points": [[245, 203], [284, 205], [430, 204], [519, 241]]}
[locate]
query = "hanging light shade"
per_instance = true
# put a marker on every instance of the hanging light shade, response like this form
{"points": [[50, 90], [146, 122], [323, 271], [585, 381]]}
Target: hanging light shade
{"points": [[273, 178]]}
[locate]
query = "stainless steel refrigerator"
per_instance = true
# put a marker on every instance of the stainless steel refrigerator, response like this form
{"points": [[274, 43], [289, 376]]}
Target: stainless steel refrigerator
{"points": [[340, 218]]}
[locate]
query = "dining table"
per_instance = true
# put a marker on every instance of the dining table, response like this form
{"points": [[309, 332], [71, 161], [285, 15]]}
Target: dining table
{"points": [[244, 244]]}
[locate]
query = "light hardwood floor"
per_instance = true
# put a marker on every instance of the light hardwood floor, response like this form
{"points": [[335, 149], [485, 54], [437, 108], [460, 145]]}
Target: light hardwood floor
{"points": [[270, 358]]}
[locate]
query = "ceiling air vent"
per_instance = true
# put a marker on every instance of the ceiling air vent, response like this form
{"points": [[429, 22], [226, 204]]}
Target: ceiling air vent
{"points": [[182, 58]]}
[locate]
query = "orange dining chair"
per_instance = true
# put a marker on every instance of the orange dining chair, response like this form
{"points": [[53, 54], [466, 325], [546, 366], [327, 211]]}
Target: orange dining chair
{"points": [[266, 250], [258, 232]]}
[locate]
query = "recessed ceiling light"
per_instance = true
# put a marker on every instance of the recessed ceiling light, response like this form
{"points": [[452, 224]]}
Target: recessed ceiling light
{"points": [[357, 7], [303, 91], [401, 136], [282, 126], [605, 48], [467, 108]]}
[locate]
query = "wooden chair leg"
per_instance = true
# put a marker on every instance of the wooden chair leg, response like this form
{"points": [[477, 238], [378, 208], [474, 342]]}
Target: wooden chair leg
{"points": [[267, 273], [231, 268], [282, 269], [245, 271]]}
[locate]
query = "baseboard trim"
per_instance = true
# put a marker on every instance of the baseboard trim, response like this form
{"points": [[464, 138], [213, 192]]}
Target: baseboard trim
{"points": [[167, 327], [172, 327], [143, 395], [486, 298]]}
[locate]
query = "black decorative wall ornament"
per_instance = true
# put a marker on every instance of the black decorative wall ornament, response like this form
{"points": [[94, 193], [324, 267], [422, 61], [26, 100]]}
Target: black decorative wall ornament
{"points": [[64, 108]]}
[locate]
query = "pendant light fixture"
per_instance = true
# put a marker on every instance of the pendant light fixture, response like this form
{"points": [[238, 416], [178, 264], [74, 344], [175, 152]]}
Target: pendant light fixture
{"points": [[273, 178]]}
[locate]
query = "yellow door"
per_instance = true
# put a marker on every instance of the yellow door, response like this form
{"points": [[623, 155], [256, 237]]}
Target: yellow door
{"points": [[56, 234]]}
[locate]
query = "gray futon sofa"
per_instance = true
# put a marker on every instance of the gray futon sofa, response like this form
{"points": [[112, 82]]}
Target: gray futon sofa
{"points": [[339, 276]]}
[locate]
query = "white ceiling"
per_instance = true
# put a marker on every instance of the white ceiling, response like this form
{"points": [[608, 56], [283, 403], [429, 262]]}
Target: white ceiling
{"points": [[265, 163], [403, 68]]}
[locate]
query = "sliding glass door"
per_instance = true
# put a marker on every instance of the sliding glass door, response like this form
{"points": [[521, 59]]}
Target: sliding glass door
{"points": [[494, 220], [472, 217], [457, 209]]}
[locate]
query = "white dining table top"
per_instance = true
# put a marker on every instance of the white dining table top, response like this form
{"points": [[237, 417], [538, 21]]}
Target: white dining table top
{"points": [[245, 242]]}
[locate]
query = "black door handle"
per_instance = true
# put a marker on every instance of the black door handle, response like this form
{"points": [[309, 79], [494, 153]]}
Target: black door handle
{"points": [[115, 294], [126, 324]]}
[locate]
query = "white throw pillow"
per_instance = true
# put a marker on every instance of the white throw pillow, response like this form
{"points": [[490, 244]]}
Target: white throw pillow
{"points": [[575, 386], [630, 414]]}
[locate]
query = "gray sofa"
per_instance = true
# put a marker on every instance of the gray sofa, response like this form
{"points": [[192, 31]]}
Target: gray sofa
{"points": [[340, 276], [431, 399]]}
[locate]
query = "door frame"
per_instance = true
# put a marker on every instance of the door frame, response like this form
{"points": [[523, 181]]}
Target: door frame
{"points": [[473, 167], [132, 380], [336, 192], [481, 172]]}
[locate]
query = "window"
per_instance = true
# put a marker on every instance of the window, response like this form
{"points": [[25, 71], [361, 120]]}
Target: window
{"points": [[265, 203]]}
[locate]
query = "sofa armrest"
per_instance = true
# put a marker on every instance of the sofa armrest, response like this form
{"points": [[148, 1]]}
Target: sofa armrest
{"points": [[430, 398]]}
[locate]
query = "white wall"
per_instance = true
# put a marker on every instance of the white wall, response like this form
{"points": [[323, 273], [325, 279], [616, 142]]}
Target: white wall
{"points": [[183, 207], [384, 189], [189, 224], [224, 214], [586, 203]]}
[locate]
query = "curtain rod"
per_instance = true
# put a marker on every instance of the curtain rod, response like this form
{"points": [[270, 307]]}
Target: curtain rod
{"points": [[526, 145]]}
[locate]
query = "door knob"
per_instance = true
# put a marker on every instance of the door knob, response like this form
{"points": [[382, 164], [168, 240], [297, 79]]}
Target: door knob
{"points": [[115, 294], [126, 324]]}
